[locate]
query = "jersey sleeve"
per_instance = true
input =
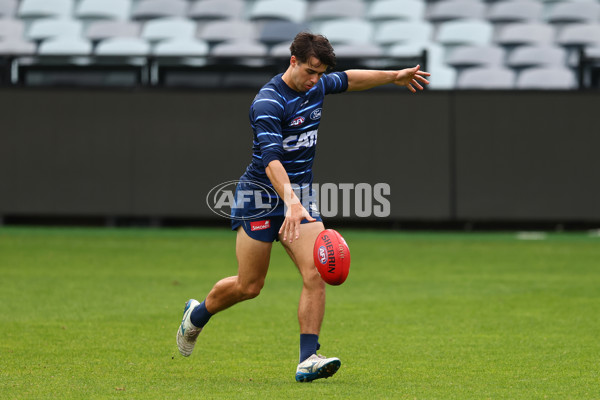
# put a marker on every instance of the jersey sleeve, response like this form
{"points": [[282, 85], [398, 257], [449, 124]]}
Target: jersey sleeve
{"points": [[335, 82], [265, 118]]}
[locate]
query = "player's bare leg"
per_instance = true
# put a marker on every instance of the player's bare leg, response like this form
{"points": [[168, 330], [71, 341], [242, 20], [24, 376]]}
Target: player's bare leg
{"points": [[253, 263], [311, 307]]}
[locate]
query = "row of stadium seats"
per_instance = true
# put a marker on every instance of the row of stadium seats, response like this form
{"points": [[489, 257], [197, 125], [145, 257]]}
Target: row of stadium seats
{"points": [[462, 37]]}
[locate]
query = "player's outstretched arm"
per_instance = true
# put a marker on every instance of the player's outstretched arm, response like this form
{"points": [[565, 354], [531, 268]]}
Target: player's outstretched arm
{"points": [[364, 79]]}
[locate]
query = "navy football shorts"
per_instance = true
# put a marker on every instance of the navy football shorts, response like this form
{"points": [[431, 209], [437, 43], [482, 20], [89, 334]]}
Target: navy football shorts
{"points": [[261, 214]]}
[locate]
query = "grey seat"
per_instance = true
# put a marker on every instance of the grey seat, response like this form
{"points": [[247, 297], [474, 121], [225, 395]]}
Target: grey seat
{"points": [[280, 31], [239, 49], [515, 11], [100, 30], [486, 78], [447, 10], [181, 47], [537, 56], [333, 9], [11, 28], [579, 35], [462, 32], [149, 9], [546, 78], [526, 33], [225, 30], [168, 28], [347, 31], [103, 9], [30, 9], [476, 56], [287, 10], [8, 8], [17, 46], [393, 32], [577, 11], [216, 9], [381, 10], [358, 50]]}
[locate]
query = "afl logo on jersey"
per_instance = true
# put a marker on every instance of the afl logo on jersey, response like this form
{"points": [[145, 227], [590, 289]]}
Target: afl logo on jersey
{"points": [[316, 114], [297, 121]]}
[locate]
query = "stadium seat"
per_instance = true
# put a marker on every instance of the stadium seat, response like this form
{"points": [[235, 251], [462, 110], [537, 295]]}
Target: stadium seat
{"points": [[435, 52], [569, 12], [334, 9], [462, 32], [394, 32], [347, 31], [239, 49], [123, 47], [286, 10], [448, 10], [8, 8], [358, 50], [30, 9], [546, 78], [537, 56], [181, 47], [279, 31], [476, 56], [486, 78], [526, 33], [281, 50], [100, 30], [64, 46], [217, 9], [442, 77], [515, 11], [579, 35], [17, 46], [46, 28], [168, 28], [220, 31], [381, 10], [103, 9], [11, 28], [149, 9]]}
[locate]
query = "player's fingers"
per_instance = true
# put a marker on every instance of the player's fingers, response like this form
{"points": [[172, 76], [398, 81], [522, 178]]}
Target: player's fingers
{"points": [[423, 73], [415, 83], [412, 89], [422, 79]]}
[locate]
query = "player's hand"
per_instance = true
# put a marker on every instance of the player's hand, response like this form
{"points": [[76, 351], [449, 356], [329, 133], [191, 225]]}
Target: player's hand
{"points": [[295, 214], [410, 77]]}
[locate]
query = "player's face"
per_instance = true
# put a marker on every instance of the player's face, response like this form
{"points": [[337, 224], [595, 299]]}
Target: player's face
{"points": [[306, 75]]}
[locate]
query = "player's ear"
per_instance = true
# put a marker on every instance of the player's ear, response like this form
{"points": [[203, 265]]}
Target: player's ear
{"points": [[293, 61]]}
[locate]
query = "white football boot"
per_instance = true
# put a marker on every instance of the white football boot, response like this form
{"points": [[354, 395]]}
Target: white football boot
{"points": [[316, 367], [187, 332]]}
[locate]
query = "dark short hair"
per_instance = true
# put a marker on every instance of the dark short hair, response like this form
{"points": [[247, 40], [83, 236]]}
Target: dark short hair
{"points": [[307, 45]]}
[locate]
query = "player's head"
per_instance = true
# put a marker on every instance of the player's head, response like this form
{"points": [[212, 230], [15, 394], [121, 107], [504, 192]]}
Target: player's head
{"points": [[312, 56]]}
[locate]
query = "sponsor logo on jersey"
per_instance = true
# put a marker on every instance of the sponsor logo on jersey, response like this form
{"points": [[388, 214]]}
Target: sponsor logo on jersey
{"points": [[297, 121], [316, 114], [260, 225], [296, 142]]}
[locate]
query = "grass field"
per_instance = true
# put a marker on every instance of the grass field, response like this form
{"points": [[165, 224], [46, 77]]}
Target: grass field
{"points": [[92, 313]]}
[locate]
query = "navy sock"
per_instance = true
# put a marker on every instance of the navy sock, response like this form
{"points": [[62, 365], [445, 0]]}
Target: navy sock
{"points": [[200, 316], [308, 345]]}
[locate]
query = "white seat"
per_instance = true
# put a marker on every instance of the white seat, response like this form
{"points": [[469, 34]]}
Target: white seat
{"points": [[546, 78], [347, 31], [104, 9], [334, 9], [393, 32], [168, 28], [515, 11], [46, 28], [358, 50], [486, 78], [240, 49], [568, 12], [149, 9], [66, 46], [217, 9], [100, 30], [45, 8], [381, 10], [181, 47], [220, 31], [464, 32], [476, 56], [288, 10], [123, 47], [11, 28], [447, 10], [442, 77], [526, 33], [579, 35], [281, 50], [537, 56]]}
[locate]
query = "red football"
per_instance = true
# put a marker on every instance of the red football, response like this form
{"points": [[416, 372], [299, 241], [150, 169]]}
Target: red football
{"points": [[332, 257]]}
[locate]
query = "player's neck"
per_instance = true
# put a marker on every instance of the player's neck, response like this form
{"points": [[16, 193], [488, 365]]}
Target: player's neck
{"points": [[287, 79]]}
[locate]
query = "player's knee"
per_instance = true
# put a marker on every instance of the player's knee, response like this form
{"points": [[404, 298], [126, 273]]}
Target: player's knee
{"points": [[313, 280], [251, 290]]}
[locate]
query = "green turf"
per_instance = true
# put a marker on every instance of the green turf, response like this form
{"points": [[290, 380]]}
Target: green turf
{"points": [[92, 313]]}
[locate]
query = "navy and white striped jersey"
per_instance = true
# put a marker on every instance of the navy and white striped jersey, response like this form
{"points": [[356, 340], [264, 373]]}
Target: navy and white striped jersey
{"points": [[285, 125]]}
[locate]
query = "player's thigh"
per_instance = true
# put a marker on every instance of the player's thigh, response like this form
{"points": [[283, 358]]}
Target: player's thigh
{"points": [[253, 258], [301, 249]]}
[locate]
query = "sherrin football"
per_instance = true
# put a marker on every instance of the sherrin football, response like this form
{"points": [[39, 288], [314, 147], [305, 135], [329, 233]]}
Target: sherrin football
{"points": [[332, 257]]}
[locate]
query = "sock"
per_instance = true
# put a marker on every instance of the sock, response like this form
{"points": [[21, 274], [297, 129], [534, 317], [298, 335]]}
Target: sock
{"points": [[200, 316], [308, 345]]}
